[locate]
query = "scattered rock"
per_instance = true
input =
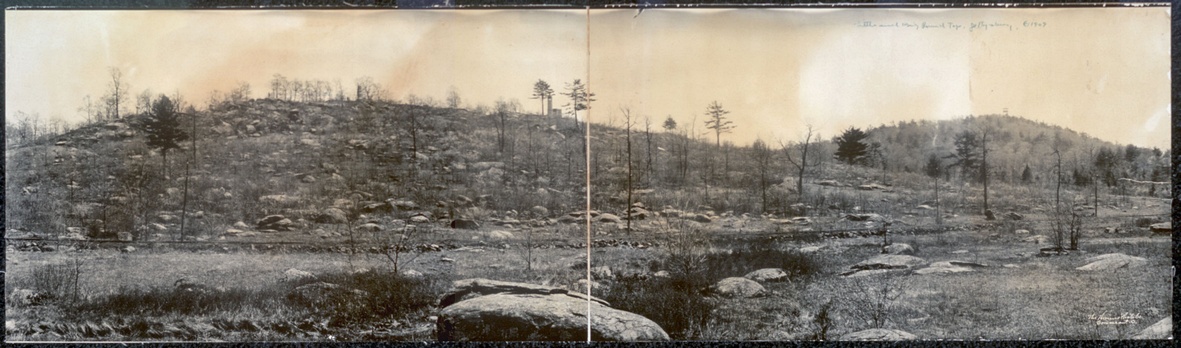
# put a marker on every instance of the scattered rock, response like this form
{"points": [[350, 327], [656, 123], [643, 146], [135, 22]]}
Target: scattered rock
{"points": [[292, 274], [1162, 330], [888, 261], [464, 224], [420, 219], [1021, 231], [831, 183], [127, 249], [539, 211], [1111, 262], [275, 222], [601, 273], [489, 310], [1164, 227], [737, 287], [1014, 216], [661, 274], [1038, 239], [124, 236], [811, 249], [608, 217], [857, 273], [864, 217], [879, 335], [942, 267], [412, 274], [331, 216], [500, 235], [404, 205], [702, 218], [767, 275], [241, 225], [898, 249]]}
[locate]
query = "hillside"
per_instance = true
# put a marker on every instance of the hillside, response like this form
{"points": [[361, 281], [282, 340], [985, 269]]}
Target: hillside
{"points": [[267, 156]]}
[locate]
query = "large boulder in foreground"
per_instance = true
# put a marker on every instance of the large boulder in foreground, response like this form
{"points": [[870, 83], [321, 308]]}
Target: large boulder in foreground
{"points": [[879, 335], [1111, 262], [490, 310], [736, 287], [1162, 330]]}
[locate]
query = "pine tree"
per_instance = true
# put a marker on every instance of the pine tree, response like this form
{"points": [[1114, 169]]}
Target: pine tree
{"points": [[163, 129], [851, 147]]}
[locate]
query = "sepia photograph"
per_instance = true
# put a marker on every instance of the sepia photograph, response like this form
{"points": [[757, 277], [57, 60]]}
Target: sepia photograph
{"points": [[588, 174]]}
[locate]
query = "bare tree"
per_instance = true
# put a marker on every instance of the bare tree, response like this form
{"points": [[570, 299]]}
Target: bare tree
{"points": [[802, 165], [116, 93], [453, 98], [628, 123], [761, 154]]}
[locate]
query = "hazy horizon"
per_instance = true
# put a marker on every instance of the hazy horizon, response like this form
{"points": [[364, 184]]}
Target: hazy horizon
{"points": [[1103, 72]]}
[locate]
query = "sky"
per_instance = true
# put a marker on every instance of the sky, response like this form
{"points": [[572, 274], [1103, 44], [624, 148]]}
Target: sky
{"points": [[1099, 71]]}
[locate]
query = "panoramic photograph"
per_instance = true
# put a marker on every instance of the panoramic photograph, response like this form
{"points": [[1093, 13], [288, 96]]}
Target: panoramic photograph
{"points": [[770, 174]]}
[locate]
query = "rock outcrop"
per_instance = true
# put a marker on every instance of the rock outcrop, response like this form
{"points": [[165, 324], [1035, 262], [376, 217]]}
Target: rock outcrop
{"points": [[490, 310]]}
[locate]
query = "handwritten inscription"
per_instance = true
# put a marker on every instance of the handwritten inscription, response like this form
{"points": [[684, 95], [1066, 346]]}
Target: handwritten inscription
{"points": [[1122, 319], [968, 26]]}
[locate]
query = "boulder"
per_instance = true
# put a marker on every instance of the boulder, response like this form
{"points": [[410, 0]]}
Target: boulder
{"points": [[737, 287], [608, 217], [898, 249], [1038, 239], [275, 222], [1111, 262], [292, 274], [879, 335], [1164, 227], [942, 267], [539, 211], [1021, 231], [767, 275], [989, 215], [489, 310], [127, 249], [464, 224], [702, 218], [420, 219], [124, 236], [1162, 330], [567, 219], [500, 235], [331, 216], [404, 205], [369, 227], [412, 274], [831, 183], [864, 217], [888, 261], [1014, 216]]}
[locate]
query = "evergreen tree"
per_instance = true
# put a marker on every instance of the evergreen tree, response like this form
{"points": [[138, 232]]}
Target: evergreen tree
{"points": [[1026, 175], [851, 147], [163, 128]]}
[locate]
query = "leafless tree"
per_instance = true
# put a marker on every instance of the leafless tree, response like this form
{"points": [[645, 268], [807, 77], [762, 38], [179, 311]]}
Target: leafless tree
{"points": [[802, 165]]}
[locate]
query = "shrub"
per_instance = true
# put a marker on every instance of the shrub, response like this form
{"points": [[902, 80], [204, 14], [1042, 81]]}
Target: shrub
{"points": [[676, 303]]}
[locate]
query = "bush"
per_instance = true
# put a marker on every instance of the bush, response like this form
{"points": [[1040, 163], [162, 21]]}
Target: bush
{"points": [[390, 295], [676, 303]]}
